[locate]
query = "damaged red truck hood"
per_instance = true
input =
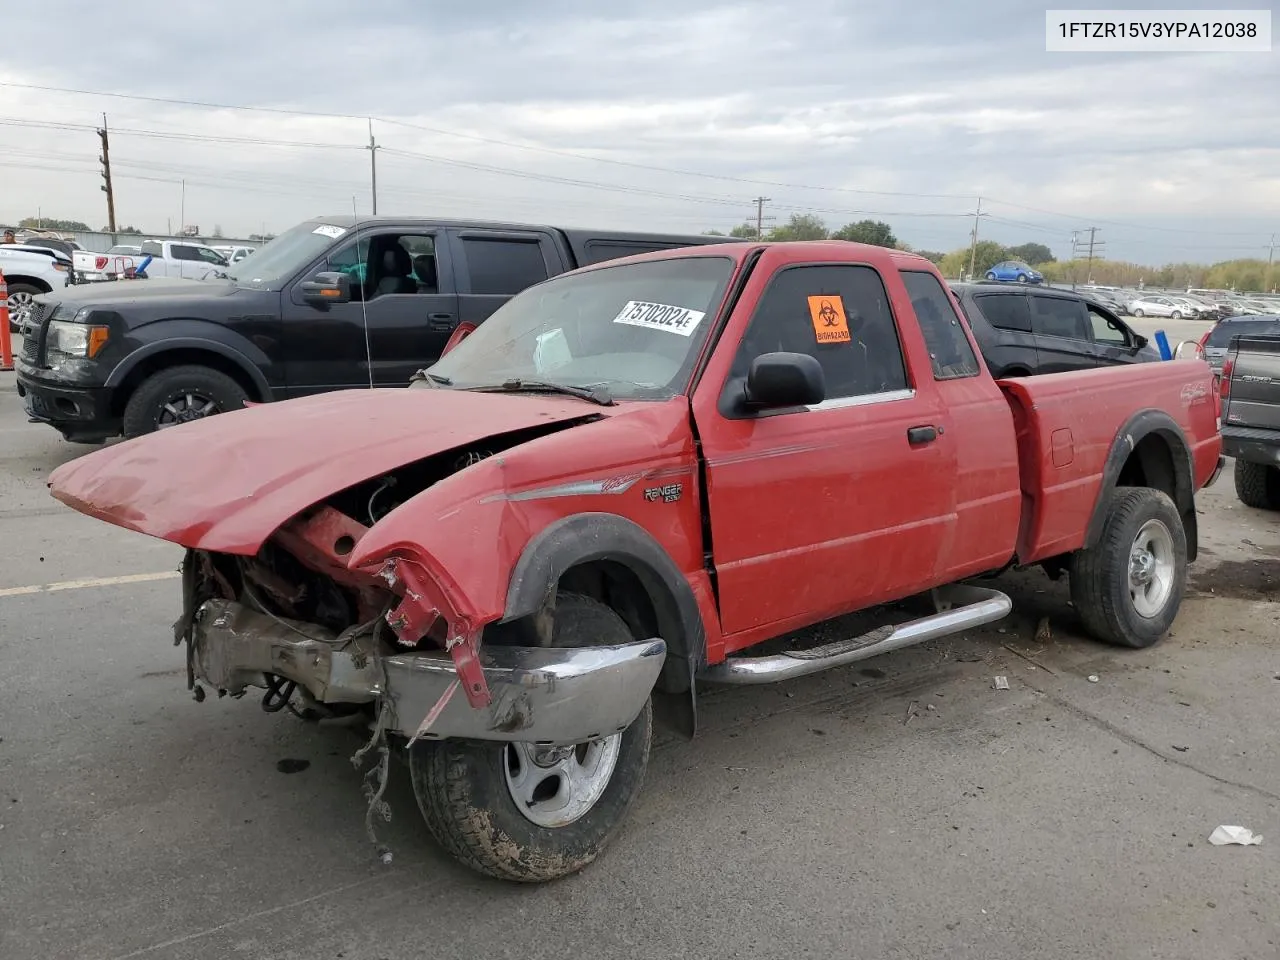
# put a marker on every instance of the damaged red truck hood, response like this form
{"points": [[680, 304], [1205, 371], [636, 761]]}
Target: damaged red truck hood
{"points": [[227, 483]]}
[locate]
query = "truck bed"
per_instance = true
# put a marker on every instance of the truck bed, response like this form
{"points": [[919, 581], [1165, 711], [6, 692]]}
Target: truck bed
{"points": [[1067, 428]]}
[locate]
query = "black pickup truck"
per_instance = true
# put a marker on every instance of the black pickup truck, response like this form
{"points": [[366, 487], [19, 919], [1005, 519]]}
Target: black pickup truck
{"points": [[332, 303], [1250, 389]]}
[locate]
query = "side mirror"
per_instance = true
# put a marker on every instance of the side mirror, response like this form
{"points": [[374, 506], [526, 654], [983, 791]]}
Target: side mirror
{"points": [[327, 288], [778, 380], [1139, 341]]}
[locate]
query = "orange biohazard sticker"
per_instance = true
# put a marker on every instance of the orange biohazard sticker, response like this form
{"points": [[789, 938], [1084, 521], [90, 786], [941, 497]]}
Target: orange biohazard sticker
{"points": [[829, 323]]}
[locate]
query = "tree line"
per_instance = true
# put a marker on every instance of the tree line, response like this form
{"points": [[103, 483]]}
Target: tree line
{"points": [[1248, 275]]}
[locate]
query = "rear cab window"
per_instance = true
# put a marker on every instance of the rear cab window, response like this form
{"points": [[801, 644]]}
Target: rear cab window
{"points": [[501, 266], [1222, 334], [950, 353]]}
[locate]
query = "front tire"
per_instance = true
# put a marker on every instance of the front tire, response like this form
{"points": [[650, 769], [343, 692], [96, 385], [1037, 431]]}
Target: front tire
{"points": [[1022, 278], [21, 300], [1258, 485], [528, 814], [1138, 313], [179, 395], [1128, 587]]}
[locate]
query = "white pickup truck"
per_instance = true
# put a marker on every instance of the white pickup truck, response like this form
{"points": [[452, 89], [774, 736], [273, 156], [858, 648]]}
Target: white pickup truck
{"points": [[169, 258]]}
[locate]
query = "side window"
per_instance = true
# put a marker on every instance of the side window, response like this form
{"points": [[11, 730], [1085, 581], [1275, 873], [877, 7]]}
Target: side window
{"points": [[210, 256], [503, 267], [1006, 311], [1106, 330], [949, 349], [1059, 317], [351, 259], [598, 251], [183, 252], [422, 255], [151, 248], [837, 314]]}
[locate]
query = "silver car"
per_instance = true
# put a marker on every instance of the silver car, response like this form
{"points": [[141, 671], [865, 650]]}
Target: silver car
{"points": [[1157, 306]]}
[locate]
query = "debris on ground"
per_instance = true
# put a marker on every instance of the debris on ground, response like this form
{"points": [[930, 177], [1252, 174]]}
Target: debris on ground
{"points": [[1242, 836], [1093, 678], [1043, 633], [1181, 749], [913, 710], [1002, 683]]}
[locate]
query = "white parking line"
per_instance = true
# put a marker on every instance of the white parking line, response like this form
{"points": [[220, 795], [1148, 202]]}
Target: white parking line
{"points": [[93, 582]]}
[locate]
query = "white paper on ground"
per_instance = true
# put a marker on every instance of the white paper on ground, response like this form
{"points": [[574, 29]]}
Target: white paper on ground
{"points": [[1238, 835]]}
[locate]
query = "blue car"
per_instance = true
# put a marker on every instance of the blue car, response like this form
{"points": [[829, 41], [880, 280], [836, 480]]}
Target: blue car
{"points": [[1015, 270]]}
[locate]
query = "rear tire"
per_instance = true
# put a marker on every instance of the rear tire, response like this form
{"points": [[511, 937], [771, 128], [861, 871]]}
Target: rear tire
{"points": [[1258, 485], [467, 790], [178, 395], [1128, 587], [20, 304], [1138, 313]]}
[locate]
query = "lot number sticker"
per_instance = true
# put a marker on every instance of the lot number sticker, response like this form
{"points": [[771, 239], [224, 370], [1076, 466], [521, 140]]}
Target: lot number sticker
{"points": [[325, 230], [829, 323], [659, 316]]}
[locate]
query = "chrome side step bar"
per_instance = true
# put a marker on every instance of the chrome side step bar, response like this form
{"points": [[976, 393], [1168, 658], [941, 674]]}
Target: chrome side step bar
{"points": [[960, 608]]}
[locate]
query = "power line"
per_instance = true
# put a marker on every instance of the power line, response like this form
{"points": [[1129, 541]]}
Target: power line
{"points": [[487, 140]]}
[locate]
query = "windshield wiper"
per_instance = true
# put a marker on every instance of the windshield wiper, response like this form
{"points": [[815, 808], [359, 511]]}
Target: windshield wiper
{"points": [[595, 394]]}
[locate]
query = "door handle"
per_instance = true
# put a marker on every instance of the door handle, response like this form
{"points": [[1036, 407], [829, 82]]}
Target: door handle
{"points": [[920, 435], [441, 321]]}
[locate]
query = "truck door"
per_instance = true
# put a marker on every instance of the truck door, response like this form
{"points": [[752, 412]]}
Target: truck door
{"points": [[492, 266], [1061, 329], [402, 294], [822, 510]]}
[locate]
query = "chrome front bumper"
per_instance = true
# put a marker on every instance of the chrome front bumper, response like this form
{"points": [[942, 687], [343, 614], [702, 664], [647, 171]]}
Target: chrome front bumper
{"points": [[540, 694]]}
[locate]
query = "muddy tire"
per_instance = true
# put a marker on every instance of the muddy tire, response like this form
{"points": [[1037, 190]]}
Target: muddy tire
{"points": [[1258, 485], [1127, 589], [179, 395], [467, 790]]}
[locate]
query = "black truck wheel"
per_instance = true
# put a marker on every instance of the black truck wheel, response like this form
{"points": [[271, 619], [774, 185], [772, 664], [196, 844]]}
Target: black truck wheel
{"points": [[527, 813], [1258, 485], [1128, 587], [179, 395]]}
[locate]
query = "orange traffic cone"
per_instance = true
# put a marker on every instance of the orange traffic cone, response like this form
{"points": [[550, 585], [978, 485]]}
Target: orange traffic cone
{"points": [[6, 341]]}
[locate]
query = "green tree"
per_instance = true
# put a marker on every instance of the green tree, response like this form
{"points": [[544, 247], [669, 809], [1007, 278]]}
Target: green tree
{"points": [[744, 231], [48, 223], [801, 226], [1032, 253], [875, 232], [933, 256], [985, 256]]}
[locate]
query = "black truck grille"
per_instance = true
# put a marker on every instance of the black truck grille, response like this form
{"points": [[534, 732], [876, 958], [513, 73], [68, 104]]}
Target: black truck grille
{"points": [[31, 332]]}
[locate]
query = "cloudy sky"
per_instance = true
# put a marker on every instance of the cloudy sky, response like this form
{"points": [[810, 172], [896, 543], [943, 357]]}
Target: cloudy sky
{"points": [[656, 115]]}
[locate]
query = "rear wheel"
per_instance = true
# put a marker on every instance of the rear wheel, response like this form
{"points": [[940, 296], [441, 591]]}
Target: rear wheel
{"points": [[180, 395], [528, 812], [1176, 315], [1138, 313], [1258, 485], [1128, 587]]}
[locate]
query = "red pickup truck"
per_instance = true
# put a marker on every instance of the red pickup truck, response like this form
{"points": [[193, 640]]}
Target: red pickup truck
{"points": [[623, 483]]}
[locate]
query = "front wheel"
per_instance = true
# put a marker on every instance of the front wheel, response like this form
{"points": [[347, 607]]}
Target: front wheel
{"points": [[1176, 315], [1128, 587], [179, 395], [1138, 313], [529, 812], [22, 298], [1022, 278], [991, 276]]}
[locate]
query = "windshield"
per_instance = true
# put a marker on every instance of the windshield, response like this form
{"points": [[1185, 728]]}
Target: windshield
{"points": [[274, 263], [635, 329]]}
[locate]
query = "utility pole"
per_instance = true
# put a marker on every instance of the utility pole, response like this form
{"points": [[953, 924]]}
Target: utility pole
{"points": [[106, 175], [973, 241], [182, 209], [1271, 259], [760, 217], [373, 167], [1094, 245]]}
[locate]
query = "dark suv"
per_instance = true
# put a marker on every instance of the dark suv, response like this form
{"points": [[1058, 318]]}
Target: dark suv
{"points": [[1026, 331]]}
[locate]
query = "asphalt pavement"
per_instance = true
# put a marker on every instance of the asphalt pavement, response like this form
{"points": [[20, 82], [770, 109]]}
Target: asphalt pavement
{"points": [[901, 808]]}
